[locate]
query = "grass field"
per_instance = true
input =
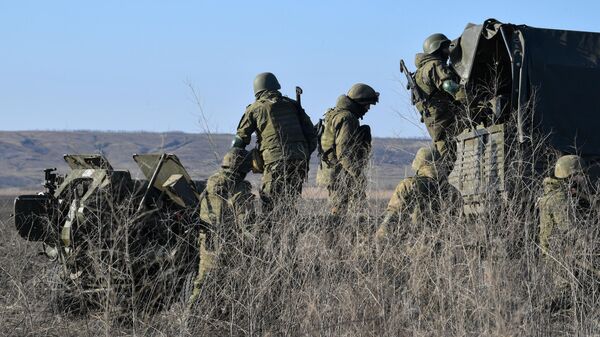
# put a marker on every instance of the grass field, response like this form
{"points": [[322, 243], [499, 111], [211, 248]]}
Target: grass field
{"points": [[310, 277]]}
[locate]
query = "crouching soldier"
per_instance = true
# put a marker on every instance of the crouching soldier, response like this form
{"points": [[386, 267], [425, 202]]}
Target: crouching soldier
{"points": [[417, 200], [564, 212], [344, 148], [226, 210]]}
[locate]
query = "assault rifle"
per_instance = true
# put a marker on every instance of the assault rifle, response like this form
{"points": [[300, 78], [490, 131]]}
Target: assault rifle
{"points": [[299, 101], [299, 96], [416, 94]]}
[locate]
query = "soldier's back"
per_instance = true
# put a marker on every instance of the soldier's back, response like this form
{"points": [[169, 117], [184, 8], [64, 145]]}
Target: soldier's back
{"points": [[279, 128], [428, 72], [217, 192]]}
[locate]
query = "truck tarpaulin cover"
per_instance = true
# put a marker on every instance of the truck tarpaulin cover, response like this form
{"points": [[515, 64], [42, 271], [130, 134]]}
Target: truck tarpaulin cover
{"points": [[561, 70]]}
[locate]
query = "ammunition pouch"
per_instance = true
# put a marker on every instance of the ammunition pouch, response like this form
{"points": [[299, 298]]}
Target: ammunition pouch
{"points": [[258, 163]]}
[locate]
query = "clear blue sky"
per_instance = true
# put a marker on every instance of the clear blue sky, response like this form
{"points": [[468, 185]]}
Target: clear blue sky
{"points": [[126, 65]]}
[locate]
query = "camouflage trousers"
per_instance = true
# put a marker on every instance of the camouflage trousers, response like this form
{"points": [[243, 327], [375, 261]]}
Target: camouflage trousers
{"points": [[207, 263], [441, 126], [346, 191], [282, 185]]}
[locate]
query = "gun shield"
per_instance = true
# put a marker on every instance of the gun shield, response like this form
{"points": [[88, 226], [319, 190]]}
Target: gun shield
{"points": [[34, 216]]}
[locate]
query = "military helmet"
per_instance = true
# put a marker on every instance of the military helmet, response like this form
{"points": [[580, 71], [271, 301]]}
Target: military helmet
{"points": [[426, 156], [265, 81], [238, 160], [434, 42], [363, 94], [568, 166]]}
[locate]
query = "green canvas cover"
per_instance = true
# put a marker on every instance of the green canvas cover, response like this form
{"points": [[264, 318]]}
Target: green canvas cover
{"points": [[559, 69]]}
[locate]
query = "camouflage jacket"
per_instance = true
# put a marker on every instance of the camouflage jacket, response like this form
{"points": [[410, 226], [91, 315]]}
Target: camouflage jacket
{"points": [[418, 198], [561, 217], [342, 141], [227, 202], [416, 202], [284, 131], [430, 75]]}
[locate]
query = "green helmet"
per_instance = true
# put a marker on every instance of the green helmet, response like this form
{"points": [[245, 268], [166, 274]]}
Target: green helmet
{"points": [[434, 42], [363, 94], [568, 166], [426, 156], [265, 81], [238, 160]]}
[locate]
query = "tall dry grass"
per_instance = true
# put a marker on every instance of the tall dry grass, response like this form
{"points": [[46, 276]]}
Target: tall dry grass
{"points": [[311, 275]]}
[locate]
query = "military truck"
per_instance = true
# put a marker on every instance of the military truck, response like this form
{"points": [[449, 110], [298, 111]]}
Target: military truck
{"points": [[117, 241], [532, 96]]}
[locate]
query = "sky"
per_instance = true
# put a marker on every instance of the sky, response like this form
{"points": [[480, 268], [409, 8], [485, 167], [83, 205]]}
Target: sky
{"points": [[189, 65]]}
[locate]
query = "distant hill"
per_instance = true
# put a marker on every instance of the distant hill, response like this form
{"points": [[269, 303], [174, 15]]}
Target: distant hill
{"points": [[24, 154]]}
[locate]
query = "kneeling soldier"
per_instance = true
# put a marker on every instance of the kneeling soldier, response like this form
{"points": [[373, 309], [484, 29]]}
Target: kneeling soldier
{"points": [[417, 199], [565, 231], [226, 208]]}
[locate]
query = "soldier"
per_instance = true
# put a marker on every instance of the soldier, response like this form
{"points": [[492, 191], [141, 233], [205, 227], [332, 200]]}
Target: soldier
{"points": [[418, 198], [285, 137], [440, 84], [562, 204], [226, 207], [344, 147], [564, 209]]}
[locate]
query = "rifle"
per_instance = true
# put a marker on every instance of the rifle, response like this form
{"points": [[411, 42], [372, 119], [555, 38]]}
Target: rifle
{"points": [[299, 96], [299, 101], [416, 94]]}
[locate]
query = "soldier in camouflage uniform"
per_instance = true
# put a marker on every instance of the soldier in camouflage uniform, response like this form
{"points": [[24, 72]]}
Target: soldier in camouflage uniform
{"points": [[564, 210], [285, 137], [440, 85], [344, 148], [417, 199], [226, 208]]}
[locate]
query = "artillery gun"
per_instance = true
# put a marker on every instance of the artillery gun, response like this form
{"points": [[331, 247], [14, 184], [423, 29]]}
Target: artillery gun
{"points": [[114, 239]]}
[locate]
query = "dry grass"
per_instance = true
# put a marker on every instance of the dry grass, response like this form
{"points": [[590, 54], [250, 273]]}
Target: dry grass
{"points": [[312, 276]]}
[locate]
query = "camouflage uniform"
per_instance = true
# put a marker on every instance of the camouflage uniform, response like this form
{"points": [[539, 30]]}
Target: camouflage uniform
{"points": [[226, 208], [556, 216], [286, 138], [418, 199], [563, 212], [345, 150], [440, 85], [440, 111]]}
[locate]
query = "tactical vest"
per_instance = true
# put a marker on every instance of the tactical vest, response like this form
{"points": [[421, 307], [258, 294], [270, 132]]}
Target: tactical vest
{"points": [[436, 97], [281, 137]]}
